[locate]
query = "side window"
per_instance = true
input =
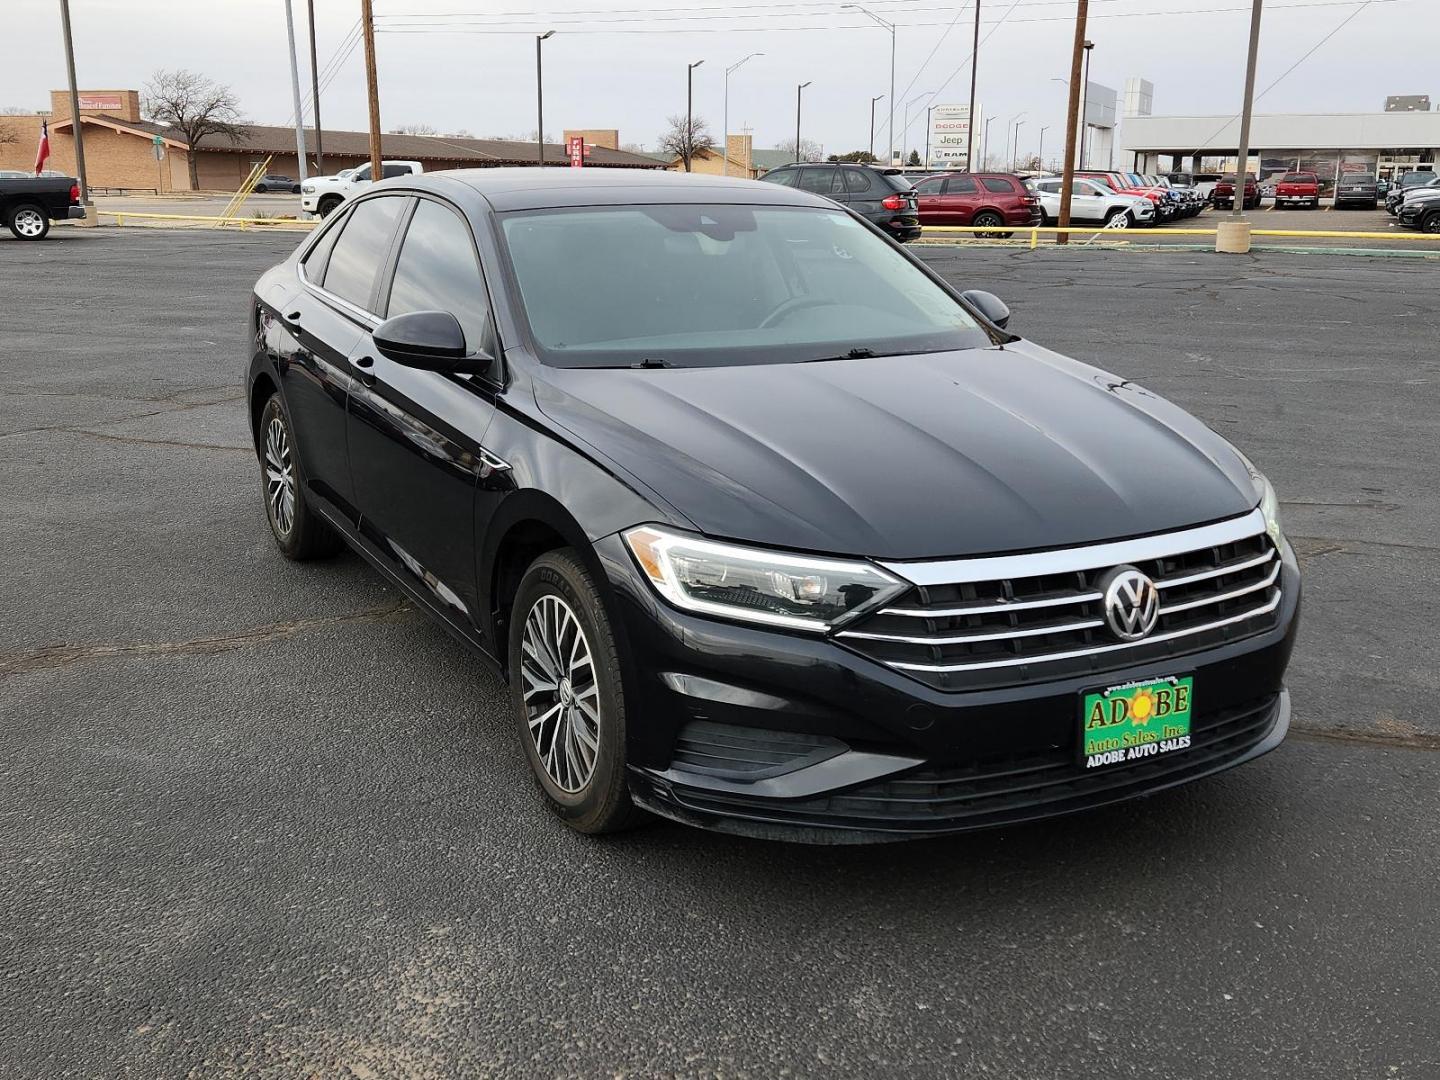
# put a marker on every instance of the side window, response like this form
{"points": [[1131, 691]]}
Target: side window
{"points": [[387, 171], [437, 271], [856, 180], [960, 185], [1080, 187], [1050, 187], [319, 256], [998, 183], [820, 180], [783, 177], [361, 249], [362, 173], [931, 186]]}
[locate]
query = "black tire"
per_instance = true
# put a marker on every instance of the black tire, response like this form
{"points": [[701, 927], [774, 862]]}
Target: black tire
{"points": [[556, 583], [1430, 223], [261, 189], [300, 533], [328, 205], [29, 221], [294, 189], [989, 219]]}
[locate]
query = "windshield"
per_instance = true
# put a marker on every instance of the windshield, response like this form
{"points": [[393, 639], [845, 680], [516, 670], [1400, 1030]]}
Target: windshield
{"points": [[1357, 178], [1411, 179], [1298, 178], [691, 285]]}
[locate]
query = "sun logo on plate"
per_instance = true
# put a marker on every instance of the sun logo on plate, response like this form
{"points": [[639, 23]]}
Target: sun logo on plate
{"points": [[1142, 707]]}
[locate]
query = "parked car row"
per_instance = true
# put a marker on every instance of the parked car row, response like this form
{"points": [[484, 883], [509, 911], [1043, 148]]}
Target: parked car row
{"points": [[1419, 203], [1411, 183]]}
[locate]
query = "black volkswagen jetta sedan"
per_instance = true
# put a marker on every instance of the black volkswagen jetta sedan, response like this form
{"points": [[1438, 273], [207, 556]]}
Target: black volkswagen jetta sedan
{"points": [[768, 527]]}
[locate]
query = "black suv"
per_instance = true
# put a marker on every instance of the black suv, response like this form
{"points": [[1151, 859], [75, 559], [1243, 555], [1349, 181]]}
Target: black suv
{"points": [[882, 196], [1357, 189], [770, 528]]}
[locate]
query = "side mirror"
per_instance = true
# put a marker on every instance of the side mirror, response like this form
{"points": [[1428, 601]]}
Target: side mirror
{"points": [[430, 340], [989, 305]]}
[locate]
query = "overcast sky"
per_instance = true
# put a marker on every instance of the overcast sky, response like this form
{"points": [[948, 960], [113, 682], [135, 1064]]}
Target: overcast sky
{"points": [[484, 80]]}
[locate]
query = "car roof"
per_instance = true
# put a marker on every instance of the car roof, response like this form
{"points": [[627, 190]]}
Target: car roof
{"points": [[533, 188]]}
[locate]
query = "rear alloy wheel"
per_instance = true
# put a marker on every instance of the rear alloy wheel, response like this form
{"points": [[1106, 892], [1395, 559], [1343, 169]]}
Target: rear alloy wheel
{"points": [[299, 531], [988, 219], [569, 701], [29, 222]]}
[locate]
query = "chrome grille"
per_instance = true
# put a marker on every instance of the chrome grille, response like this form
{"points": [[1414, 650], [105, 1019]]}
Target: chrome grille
{"points": [[1013, 619]]}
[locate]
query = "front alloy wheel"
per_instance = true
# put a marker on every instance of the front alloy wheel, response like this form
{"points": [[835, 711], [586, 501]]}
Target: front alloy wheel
{"points": [[568, 694], [299, 532]]}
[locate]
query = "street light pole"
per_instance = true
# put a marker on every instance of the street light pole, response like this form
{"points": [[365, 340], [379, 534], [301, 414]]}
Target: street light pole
{"points": [[540, 101], [890, 124], [690, 113], [1237, 204], [798, 91], [1015, 157], [1040, 154], [985, 144], [726, 115], [1085, 107], [75, 132], [928, 110], [315, 95], [295, 90], [874, 99]]}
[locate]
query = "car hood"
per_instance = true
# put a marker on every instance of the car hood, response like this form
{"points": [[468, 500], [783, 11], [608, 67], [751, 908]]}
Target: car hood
{"points": [[976, 451]]}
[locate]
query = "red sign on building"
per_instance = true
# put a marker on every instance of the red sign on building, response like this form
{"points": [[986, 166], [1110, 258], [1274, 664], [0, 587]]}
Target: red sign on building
{"points": [[576, 148]]}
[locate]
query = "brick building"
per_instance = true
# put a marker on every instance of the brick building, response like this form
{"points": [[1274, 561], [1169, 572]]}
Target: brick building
{"points": [[120, 150]]}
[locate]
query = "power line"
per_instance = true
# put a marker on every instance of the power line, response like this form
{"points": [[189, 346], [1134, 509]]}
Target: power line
{"points": [[529, 27]]}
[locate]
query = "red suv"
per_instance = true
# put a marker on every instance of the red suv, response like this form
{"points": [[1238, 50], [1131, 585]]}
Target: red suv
{"points": [[979, 199]]}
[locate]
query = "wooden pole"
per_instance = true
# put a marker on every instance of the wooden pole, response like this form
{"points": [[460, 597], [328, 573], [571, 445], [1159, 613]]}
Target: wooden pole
{"points": [[1072, 117], [974, 68], [372, 86]]}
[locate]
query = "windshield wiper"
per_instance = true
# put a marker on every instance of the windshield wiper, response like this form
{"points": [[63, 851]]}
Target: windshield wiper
{"points": [[853, 354]]}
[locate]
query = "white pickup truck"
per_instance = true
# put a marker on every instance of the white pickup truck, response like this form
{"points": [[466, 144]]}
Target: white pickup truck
{"points": [[322, 194]]}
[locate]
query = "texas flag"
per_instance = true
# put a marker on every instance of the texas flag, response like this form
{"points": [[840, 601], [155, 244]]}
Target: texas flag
{"points": [[43, 154]]}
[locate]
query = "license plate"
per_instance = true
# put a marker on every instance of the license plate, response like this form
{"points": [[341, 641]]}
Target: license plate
{"points": [[1135, 721]]}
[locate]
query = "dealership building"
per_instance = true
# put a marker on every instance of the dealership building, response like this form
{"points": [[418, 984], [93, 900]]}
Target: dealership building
{"points": [[1403, 137], [124, 151]]}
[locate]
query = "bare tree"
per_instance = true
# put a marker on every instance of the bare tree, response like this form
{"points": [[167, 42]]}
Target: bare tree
{"points": [[809, 150], [195, 106], [685, 144], [414, 129], [633, 147], [16, 110]]}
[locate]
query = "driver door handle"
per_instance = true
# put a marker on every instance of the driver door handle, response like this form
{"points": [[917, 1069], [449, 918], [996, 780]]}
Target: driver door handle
{"points": [[364, 366]]}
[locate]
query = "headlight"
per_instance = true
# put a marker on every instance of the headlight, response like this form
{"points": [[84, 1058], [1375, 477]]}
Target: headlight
{"points": [[308, 189], [1269, 503], [796, 591]]}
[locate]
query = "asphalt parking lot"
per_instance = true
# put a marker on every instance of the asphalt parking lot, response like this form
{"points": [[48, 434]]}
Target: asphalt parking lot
{"points": [[263, 819]]}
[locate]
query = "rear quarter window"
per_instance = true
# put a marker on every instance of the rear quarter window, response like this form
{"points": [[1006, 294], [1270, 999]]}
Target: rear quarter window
{"points": [[998, 183]]}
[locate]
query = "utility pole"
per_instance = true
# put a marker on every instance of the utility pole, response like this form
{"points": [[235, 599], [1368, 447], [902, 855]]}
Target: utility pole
{"points": [[1072, 114], [540, 101], [1237, 204], [874, 99], [1085, 108], [974, 69], [295, 90], [372, 87], [75, 115], [725, 119], [798, 91], [689, 113], [315, 96]]}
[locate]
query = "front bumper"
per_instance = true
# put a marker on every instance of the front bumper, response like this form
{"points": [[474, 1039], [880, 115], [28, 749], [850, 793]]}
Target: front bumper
{"points": [[748, 730], [309, 203], [1411, 213]]}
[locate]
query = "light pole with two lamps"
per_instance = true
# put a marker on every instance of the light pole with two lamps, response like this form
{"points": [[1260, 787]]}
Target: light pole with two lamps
{"points": [[890, 126], [874, 99]]}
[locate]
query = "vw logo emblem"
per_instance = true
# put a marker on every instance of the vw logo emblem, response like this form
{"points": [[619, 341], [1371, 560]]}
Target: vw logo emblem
{"points": [[1132, 603]]}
